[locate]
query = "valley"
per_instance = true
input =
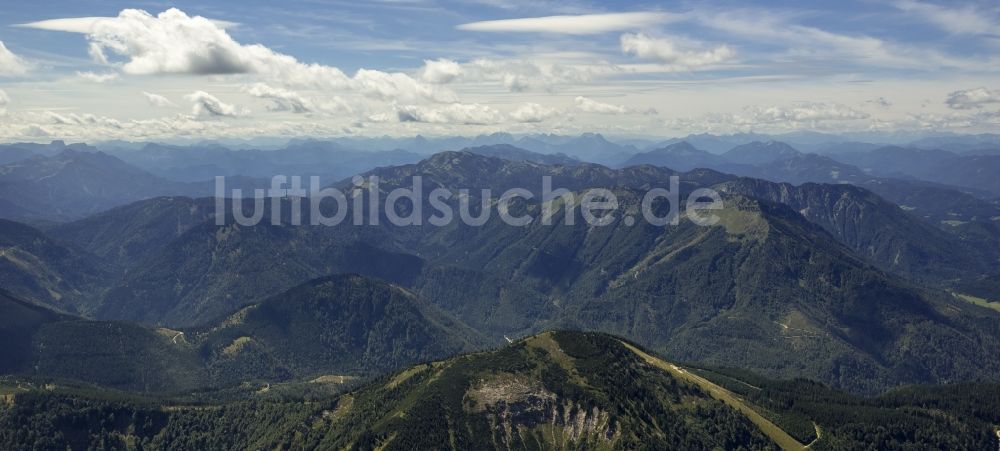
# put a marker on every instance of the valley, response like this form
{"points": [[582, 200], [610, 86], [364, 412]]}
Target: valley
{"points": [[160, 309], [499, 225]]}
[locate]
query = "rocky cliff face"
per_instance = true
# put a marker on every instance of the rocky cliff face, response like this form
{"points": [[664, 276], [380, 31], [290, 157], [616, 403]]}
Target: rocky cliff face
{"points": [[517, 405]]}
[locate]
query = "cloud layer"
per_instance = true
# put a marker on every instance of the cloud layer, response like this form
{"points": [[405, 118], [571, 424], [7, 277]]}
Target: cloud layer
{"points": [[96, 77], [573, 25], [533, 113], [972, 98], [456, 113], [777, 118], [515, 75], [704, 67], [207, 105], [158, 100], [592, 106], [666, 51]]}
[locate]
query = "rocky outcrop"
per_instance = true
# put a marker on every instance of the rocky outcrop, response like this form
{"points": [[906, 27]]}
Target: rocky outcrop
{"points": [[518, 405]]}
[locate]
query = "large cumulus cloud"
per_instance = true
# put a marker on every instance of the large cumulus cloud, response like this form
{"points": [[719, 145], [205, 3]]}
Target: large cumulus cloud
{"points": [[173, 42]]}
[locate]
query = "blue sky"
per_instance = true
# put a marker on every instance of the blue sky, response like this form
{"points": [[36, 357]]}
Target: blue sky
{"points": [[155, 70]]}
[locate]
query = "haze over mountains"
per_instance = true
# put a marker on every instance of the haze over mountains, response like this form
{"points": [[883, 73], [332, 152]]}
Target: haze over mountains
{"points": [[863, 270], [347, 325], [499, 225], [75, 179]]}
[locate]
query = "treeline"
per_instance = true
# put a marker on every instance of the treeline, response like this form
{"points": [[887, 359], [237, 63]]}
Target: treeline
{"points": [[560, 390], [961, 416]]}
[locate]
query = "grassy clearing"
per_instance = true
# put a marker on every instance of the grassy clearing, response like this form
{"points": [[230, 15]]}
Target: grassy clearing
{"points": [[405, 375], [332, 379], [12, 386], [548, 344], [741, 222], [775, 433], [978, 301], [237, 345]]}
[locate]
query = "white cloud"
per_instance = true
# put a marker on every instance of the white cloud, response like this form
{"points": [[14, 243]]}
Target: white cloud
{"points": [[282, 99], [174, 43], [955, 121], [665, 51], [81, 119], [88, 24], [576, 25], [11, 64], [96, 77], [440, 71], [158, 100], [207, 105], [4, 101], [972, 98], [532, 113], [455, 113], [96, 53], [806, 112], [171, 42], [592, 106], [87, 127], [516, 75], [287, 100], [965, 19], [515, 82], [780, 61], [382, 117], [802, 115], [335, 104], [397, 86]]}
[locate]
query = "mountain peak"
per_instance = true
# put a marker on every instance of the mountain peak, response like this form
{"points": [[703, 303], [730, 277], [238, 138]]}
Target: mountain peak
{"points": [[450, 158], [760, 152], [513, 153], [681, 147], [381, 326], [681, 156], [499, 404]]}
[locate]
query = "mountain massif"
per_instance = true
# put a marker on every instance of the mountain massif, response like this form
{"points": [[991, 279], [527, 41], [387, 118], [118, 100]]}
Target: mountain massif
{"points": [[828, 303], [345, 326], [74, 183], [776, 286], [557, 390]]}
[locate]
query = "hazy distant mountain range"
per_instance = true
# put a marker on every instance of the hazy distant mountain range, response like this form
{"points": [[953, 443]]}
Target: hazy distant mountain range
{"points": [[76, 180], [805, 257], [829, 276], [803, 140]]}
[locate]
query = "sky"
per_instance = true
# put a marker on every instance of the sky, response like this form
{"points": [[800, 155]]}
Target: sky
{"points": [[150, 70]]}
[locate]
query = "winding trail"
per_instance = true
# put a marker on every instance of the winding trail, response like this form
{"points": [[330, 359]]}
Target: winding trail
{"points": [[819, 435], [775, 433]]}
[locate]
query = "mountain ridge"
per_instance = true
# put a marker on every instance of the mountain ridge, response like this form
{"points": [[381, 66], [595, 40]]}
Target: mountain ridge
{"points": [[343, 324]]}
